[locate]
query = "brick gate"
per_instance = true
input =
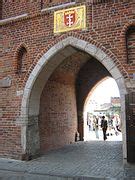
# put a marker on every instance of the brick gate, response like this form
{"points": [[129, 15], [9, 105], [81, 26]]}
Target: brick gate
{"points": [[38, 86], [38, 65]]}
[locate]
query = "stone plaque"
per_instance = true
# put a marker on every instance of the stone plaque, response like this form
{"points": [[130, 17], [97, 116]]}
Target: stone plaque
{"points": [[5, 82]]}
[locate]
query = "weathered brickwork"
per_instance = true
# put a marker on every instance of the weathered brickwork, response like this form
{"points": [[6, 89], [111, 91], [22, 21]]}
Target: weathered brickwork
{"points": [[57, 129], [25, 40], [12, 8], [0, 10], [131, 50]]}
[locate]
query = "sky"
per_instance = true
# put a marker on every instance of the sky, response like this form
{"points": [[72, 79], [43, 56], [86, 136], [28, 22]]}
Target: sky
{"points": [[105, 90]]}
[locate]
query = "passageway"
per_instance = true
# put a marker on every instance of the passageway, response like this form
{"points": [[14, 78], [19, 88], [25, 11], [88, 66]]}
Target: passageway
{"points": [[57, 96], [63, 97]]}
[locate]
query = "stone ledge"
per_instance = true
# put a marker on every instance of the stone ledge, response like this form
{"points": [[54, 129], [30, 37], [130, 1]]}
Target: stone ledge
{"points": [[26, 15], [58, 7], [11, 19]]}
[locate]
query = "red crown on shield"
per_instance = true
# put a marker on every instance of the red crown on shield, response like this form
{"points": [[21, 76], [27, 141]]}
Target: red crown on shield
{"points": [[69, 18]]}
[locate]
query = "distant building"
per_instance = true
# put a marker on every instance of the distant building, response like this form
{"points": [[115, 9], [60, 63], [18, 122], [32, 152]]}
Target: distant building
{"points": [[115, 101], [109, 108]]}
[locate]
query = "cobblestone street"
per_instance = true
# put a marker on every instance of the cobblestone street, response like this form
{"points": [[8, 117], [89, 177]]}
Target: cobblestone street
{"points": [[93, 159]]}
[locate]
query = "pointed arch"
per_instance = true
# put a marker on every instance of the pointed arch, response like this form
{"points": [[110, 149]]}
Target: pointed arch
{"points": [[42, 71]]}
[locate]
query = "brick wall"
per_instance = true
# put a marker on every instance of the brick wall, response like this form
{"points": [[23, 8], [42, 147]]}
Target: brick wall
{"points": [[0, 10], [13, 8], [50, 3], [131, 50], [58, 120], [107, 24], [10, 134]]}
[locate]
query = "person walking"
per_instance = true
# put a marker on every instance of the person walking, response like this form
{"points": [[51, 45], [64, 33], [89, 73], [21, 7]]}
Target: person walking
{"points": [[104, 126], [89, 123], [96, 127]]}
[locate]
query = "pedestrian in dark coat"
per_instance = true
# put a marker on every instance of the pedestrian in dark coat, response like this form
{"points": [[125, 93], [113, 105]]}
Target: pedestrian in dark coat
{"points": [[104, 126]]}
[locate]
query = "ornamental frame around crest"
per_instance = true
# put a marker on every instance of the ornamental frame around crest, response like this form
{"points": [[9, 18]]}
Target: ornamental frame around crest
{"points": [[80, 19]]}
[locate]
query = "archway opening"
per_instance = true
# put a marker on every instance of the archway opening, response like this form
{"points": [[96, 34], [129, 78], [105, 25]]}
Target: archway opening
{"points": [[58, 120], [63, 97], [103, 100], [55, 93]]}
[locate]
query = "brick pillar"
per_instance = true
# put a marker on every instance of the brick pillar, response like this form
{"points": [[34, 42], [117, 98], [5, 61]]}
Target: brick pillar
{"points": [[81, 126]]}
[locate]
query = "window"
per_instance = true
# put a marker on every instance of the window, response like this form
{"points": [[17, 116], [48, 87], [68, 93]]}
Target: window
{"points": [[22, 60]]}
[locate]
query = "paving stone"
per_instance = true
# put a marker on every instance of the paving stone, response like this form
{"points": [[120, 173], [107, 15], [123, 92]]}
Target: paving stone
{"points": [[80, 161]]}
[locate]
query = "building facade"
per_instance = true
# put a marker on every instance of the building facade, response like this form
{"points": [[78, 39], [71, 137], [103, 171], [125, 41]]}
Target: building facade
{"points": [[48, 68]]}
